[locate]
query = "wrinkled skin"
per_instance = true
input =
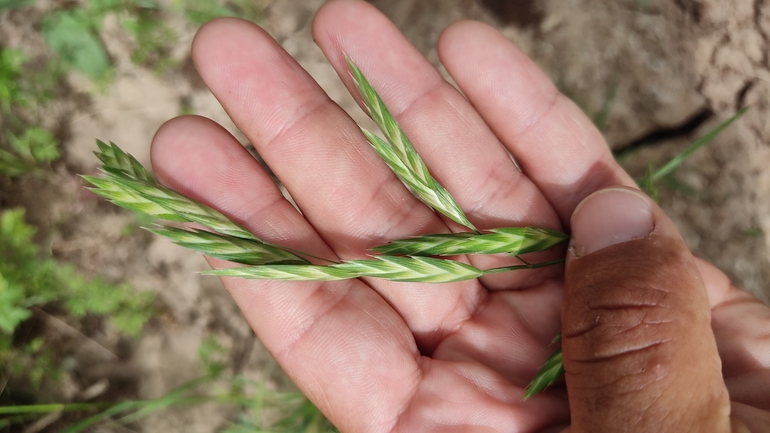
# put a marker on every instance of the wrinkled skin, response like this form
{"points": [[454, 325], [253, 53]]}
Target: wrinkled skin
{"points": [[377, 356]]}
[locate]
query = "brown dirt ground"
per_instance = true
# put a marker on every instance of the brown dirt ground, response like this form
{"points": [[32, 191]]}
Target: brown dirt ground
{"points": [[677, 71]]}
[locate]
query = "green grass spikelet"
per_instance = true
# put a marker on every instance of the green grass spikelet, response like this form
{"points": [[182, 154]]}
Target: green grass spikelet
{"points": [[510, 240]]}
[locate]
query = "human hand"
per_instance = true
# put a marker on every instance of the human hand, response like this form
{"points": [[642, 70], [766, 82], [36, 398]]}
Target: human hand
{"points": [[381, 356]]}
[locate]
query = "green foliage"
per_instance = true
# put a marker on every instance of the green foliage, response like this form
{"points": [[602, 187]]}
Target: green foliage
{"points": [[212, 355], [6, 5], [29, 278], [72, 35], [153, 38], [24, 147], [11, 62], [12, 308], [22, 87], [43, 279], [33, 361], [36, 146], [292, 410], [199, 12]]}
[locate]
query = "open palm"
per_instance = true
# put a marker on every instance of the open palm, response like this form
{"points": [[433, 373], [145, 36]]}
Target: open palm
{"points": [[383, 356]]}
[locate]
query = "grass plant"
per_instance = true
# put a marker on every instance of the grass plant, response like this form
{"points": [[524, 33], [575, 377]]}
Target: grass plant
{"points": [[649, 181], [292, 410], [30, 280]]}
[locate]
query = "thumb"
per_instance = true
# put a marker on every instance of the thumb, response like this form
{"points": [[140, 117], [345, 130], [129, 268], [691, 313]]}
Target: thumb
{"points": [[639, 353]]}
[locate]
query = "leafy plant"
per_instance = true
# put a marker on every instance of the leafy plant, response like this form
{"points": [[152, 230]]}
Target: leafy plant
{"points": [[153, 38], [12, 308], [30, 279], [24, 147], [72, 35], [35, 147], [11, 62], [199, 12]]}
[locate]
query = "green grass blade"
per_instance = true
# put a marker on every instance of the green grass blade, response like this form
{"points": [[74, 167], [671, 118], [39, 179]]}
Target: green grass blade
{"points": [[509, 240], [135, 406], [102, 416], [671, 165], [397, 147], [552, 371], [604, 113], [244, 251]]}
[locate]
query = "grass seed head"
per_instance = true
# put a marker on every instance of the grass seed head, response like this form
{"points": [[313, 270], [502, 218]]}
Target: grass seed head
{"points": [[244, 251], [400, 155], [511, 240]]}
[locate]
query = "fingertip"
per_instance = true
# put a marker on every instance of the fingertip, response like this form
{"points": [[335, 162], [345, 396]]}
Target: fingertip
{"points": [[336, 15], [174, 134], [333, 15], [608, 217], [495, 60], [213, 33], [185, 149], [455, 37], [358, 30]]}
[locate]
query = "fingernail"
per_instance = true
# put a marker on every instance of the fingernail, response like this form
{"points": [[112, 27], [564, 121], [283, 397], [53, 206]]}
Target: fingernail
{"points": [[610, 217]]}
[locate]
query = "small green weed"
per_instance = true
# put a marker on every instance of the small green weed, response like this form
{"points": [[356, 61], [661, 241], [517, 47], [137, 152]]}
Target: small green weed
{"points": [[24, 147], [11, 62], [27, 153], [72, 34], [32, 279]]}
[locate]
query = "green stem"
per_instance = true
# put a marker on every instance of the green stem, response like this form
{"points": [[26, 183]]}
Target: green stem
{"points": [[129, 404], [520, 267], [302, 253]]}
